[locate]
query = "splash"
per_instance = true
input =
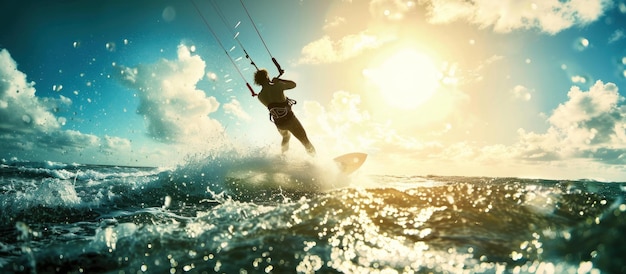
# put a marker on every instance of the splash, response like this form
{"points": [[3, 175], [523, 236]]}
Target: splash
{"points": [[257, 176]]}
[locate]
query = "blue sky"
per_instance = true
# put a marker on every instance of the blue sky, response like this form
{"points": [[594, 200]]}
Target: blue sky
{"points": [[482, 88]]}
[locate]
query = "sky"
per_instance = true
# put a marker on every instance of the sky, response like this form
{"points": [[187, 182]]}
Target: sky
{"points": [[498, 88]]}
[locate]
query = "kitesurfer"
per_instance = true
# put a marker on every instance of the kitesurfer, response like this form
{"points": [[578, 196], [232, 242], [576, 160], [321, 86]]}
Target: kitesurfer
{"points": [[272, 95]]}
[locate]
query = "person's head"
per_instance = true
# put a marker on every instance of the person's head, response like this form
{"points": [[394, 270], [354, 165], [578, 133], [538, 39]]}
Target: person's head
{"points": [[261, 77]]}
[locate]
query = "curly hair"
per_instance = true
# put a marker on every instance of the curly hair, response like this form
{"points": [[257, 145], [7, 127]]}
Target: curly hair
{"points": [[261, 77]]}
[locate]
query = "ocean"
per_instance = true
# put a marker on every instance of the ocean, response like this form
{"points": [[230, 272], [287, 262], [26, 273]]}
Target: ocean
{"points": [[258, 214]]}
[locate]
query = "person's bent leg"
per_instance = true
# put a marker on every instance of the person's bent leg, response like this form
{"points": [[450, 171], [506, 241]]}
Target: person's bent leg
{"points": [[284, 145], [296, 128]]}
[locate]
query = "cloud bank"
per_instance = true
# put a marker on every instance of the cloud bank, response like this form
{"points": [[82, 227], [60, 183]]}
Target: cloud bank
{"points": [[502, 16], [325, 50], [20, 108], [587, 133], [30, 125], [508, 15], [234, 108], [174, 109], [590, 125]]}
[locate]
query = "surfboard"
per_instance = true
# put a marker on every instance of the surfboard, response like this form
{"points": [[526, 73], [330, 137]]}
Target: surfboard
{"points": [[349, 163]]}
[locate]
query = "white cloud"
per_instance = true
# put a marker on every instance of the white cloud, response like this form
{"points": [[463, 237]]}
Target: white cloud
{"points": [[508, 15], [616, 36], [342, 126], [336, 46], [175, 110], [325, 50], [337, 21], [522, 93], [112, 144], [29, 125], [20, 109], [390, 9], [66, 140], [586, 139], [234, 107], [595, 112], [590, 125]]}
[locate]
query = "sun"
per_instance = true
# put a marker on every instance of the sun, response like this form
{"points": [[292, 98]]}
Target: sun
{"points": [[405, 80]]}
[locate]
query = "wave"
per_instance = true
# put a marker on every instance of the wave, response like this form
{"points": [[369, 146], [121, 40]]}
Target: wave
{"points": [[258, 175], [238, 212], [43, 187], [33, 164]]}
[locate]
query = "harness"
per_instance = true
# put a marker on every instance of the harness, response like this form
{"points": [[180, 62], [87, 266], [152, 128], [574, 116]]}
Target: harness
{"points": [[281, 112]]}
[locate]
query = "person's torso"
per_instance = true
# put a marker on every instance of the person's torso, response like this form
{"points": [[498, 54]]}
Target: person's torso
{"points": [[271, 94]]}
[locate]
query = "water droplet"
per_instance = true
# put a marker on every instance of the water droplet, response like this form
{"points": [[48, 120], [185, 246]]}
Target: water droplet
{"points": [[212, 76], [584, 42], [169, 14], [110, 46], [581, 44]]}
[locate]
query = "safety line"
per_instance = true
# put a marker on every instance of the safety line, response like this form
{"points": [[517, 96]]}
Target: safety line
{"points": [[280, 70], [223, 48], [255, 28], [235, 35]]}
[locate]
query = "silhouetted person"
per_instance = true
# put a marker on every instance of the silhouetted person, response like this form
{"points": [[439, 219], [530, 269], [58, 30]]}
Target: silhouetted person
{"points": [[272, 95]]}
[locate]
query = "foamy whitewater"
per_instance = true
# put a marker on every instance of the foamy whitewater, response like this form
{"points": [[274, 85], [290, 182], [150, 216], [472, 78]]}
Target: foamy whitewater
{"points": [[244, 214]]}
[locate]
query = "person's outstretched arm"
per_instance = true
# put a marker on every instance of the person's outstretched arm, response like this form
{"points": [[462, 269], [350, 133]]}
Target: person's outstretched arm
{"points": [[284, 84]]}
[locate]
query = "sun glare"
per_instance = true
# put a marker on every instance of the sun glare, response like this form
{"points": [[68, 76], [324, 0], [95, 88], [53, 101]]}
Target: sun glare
{"points": [[405, 80]]}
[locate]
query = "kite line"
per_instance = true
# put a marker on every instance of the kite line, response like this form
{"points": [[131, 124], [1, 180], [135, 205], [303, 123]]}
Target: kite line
{"points": [[236, 37]]}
